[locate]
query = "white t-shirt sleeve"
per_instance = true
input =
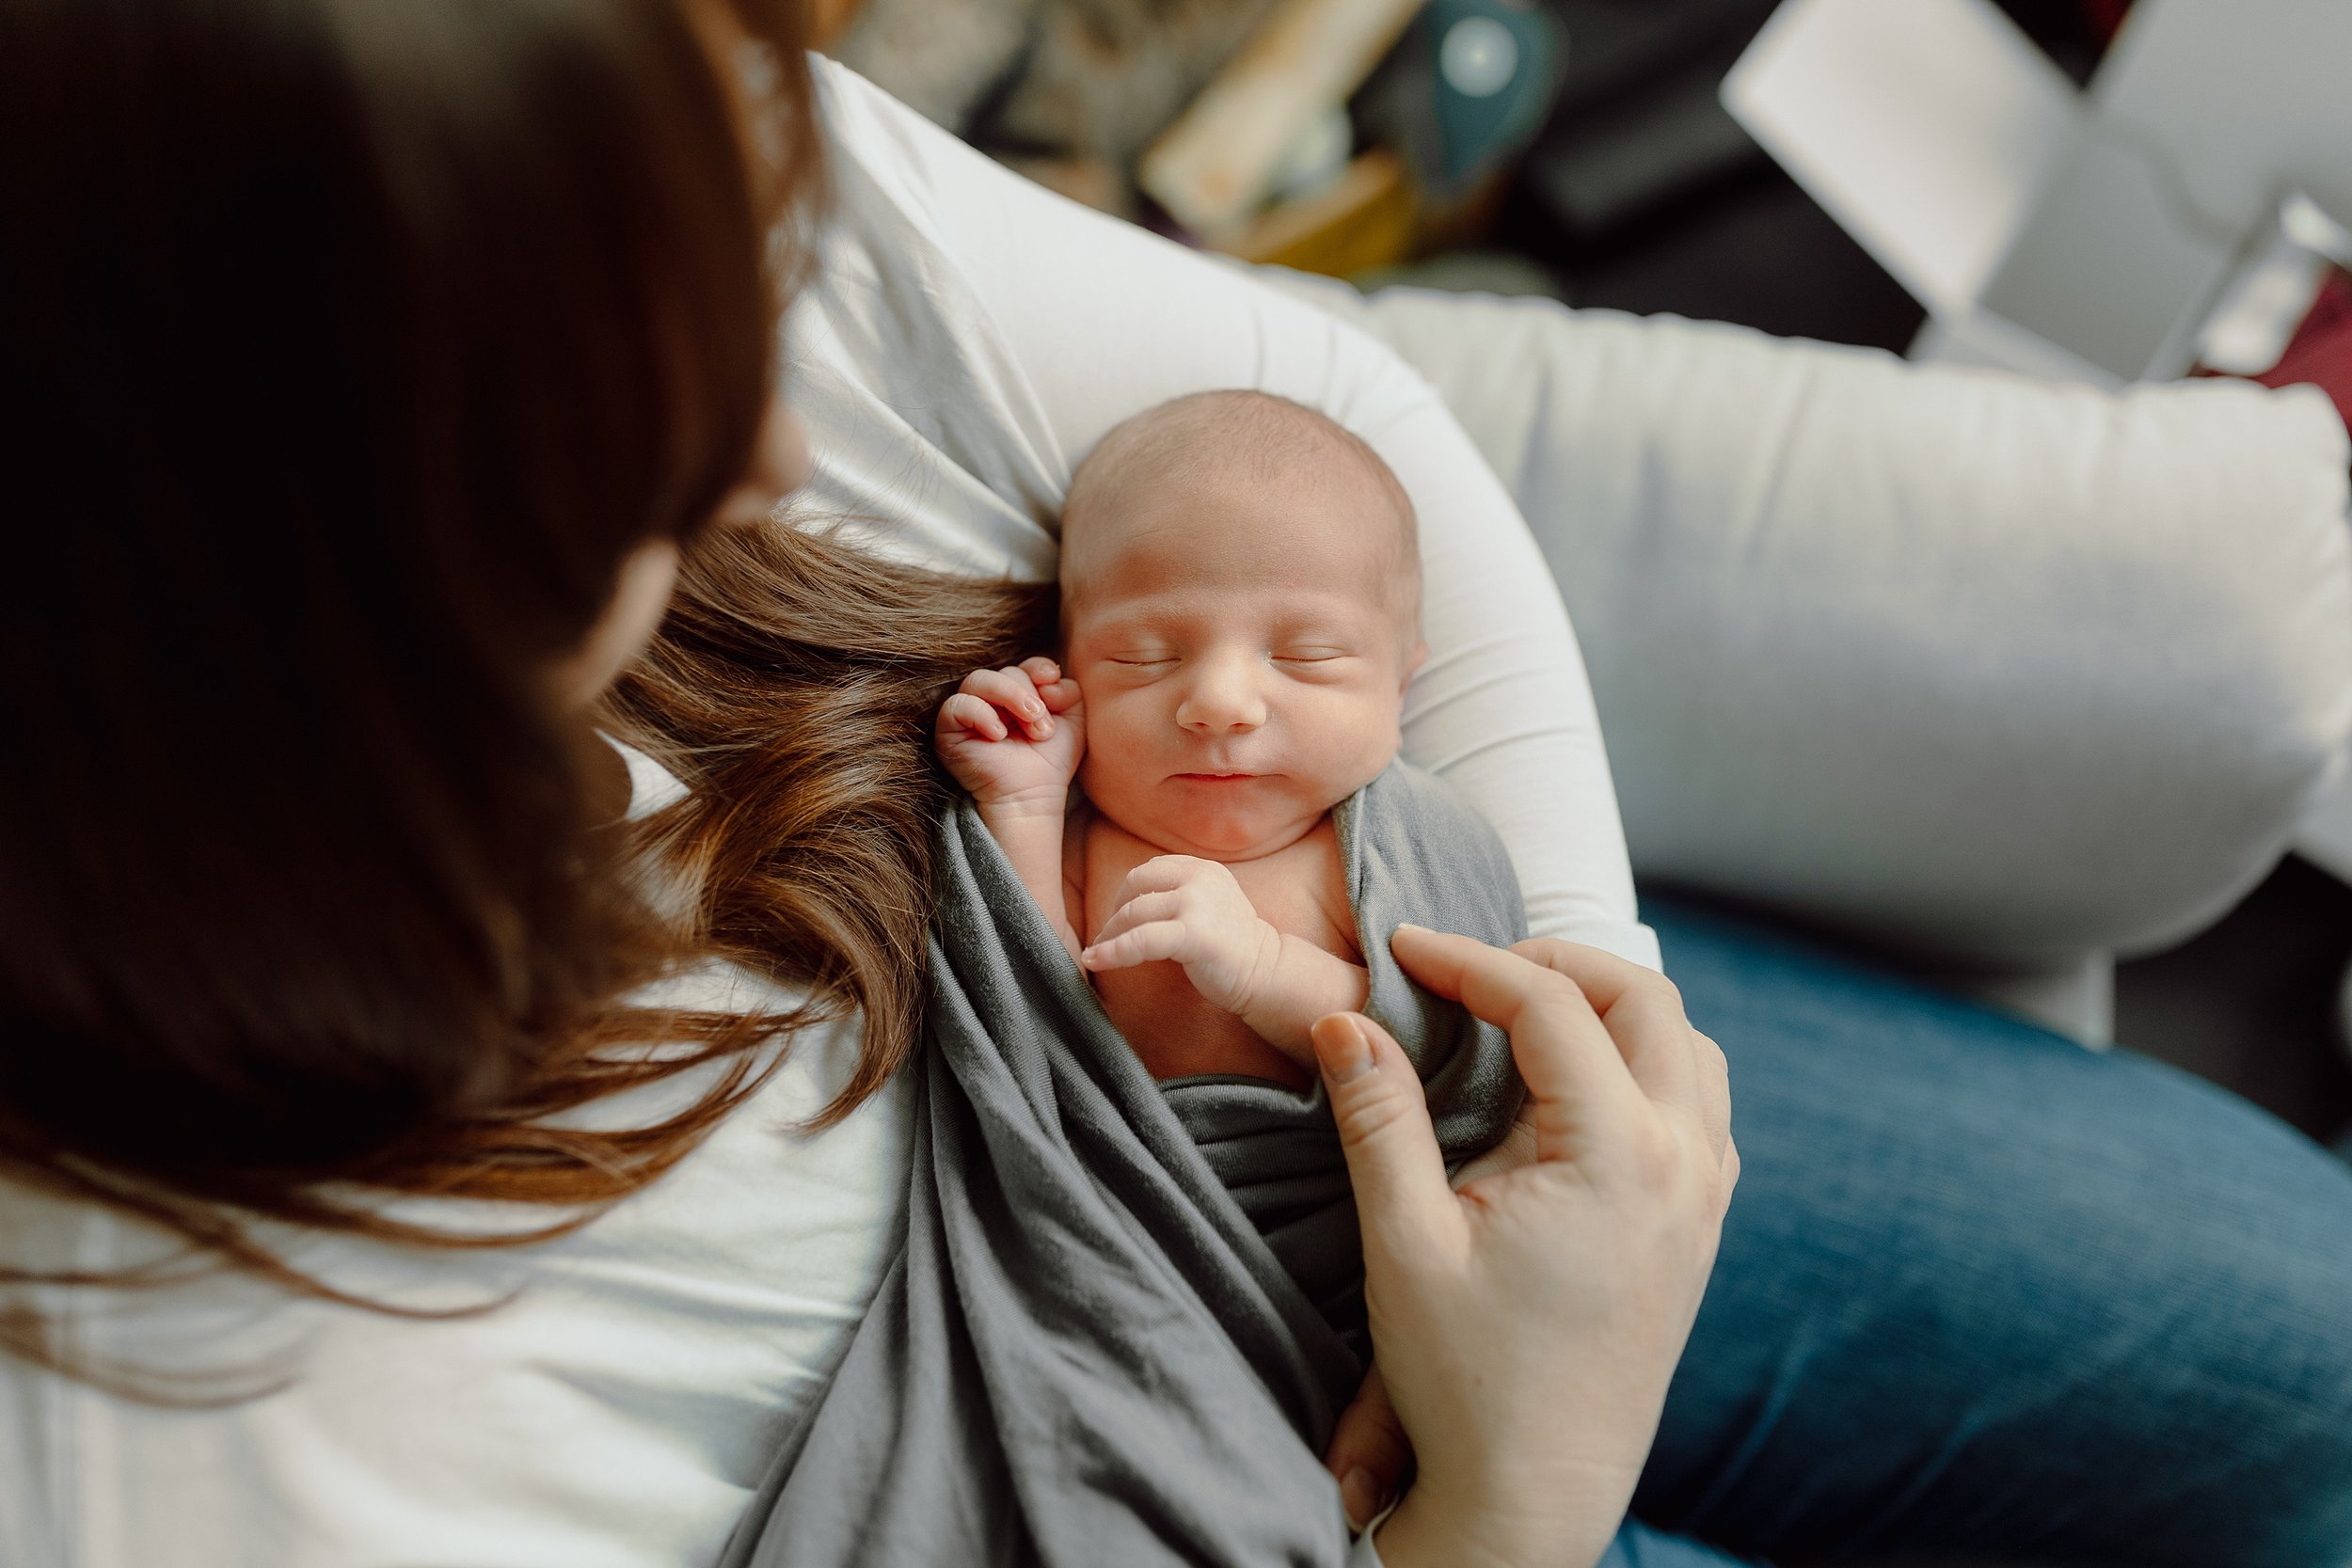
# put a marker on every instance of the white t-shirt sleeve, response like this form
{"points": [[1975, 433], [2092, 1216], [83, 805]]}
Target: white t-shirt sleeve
{"points": [[1065, 323]]}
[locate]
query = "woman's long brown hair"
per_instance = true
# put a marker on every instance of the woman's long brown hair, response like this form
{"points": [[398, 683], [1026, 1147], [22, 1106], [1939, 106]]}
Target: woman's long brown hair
{"points": [[353, 344]]}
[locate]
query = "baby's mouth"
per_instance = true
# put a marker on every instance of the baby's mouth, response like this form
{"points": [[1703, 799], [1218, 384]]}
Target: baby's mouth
{"points": [[1217, 778]]}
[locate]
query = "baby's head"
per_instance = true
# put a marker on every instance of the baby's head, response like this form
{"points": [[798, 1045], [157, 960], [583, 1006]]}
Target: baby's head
{"points": [[1241, 609]]}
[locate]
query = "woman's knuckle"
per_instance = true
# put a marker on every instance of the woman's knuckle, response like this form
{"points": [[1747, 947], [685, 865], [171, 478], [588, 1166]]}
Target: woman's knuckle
{"points": [[1541, 950], [1550, 986], [1553, 999], [1656, 989], [1657, 1155]]}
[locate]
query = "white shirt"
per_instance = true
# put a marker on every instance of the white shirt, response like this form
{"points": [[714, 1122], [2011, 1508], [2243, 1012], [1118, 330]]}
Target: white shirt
{"points": [[970, 339]]}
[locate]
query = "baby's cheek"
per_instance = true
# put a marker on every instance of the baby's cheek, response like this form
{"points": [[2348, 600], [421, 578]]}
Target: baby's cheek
{"points": [[1112, 749], [1361, 724]]}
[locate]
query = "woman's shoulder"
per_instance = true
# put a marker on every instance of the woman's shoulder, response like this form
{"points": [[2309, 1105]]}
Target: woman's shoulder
{"points": [[615, 1403]]}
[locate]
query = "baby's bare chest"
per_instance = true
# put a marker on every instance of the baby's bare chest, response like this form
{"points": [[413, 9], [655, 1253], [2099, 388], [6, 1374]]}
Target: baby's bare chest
{"points": [[1300, 891]]}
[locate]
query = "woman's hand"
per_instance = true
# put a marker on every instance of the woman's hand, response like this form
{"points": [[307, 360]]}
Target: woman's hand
{"points": [[1527, 1326], [1013, 736], [1370, 1452]]}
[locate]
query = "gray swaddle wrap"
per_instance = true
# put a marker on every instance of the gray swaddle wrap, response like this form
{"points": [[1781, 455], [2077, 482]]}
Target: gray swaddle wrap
{"points": [[1125, 1313]]}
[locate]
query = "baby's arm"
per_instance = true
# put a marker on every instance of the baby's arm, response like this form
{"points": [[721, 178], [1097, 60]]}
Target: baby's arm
{"points": [[1013, 738], [1194, 913]]}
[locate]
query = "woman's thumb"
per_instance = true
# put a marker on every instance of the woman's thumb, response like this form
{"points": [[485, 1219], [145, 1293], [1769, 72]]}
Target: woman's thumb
{"points": [[1393, 1157]]}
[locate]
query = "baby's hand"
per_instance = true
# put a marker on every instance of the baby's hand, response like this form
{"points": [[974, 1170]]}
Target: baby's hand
{"points": [[1013, 736], [1194, 912]]}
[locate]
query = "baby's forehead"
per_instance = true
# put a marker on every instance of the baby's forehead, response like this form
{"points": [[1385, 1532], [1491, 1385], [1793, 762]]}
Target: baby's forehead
{"points": [[1235, 457], [1244, 431]]}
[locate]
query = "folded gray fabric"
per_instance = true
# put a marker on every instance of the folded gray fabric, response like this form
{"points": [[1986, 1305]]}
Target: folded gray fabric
{"points": [[1126, 1313]]}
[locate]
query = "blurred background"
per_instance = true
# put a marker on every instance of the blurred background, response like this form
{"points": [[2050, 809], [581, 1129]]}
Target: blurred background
{"points": [[1575, 148], [1583, 149]]}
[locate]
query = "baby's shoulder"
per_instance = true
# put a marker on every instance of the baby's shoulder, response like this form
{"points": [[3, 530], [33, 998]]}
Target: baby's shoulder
{"points": [[1410, 802]]}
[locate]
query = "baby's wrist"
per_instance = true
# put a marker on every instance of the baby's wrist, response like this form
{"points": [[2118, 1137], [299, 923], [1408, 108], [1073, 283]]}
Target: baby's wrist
{"points": [[1303, 984], [1261, 985], [1292, 991], [1042, 801]]}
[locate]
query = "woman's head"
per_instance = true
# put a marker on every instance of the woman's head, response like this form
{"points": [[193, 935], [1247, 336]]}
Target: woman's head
{"points": [[361, 351]]}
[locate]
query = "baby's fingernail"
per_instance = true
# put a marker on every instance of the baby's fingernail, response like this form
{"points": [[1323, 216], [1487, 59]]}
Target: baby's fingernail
{"points": [[1361, 1496], [1342, 1048]]}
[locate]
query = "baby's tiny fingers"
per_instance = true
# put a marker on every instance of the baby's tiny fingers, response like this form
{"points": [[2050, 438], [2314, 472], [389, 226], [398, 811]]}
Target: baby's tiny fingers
{"points": [[965, 711], [1041, 670], [1010, 690], [1161, 874], [1005, 688], [1138, 911], [1144, 945], [1028, 705]]}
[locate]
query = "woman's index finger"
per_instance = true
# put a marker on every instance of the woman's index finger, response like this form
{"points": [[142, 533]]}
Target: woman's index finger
{"points": [[1563, 1050], [1601, 975], [1641, 1011]]}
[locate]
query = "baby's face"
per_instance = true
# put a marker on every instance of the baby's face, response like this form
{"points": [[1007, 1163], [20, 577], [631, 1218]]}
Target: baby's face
{"points": [[1243, 651]]}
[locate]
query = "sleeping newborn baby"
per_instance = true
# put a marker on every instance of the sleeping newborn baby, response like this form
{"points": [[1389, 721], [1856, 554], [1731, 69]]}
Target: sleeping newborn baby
{"points": [[1126, 1264], [1240, 594]]}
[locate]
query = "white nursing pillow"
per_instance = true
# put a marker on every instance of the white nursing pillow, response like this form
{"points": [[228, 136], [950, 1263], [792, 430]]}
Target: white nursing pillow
{"points": [[1998, 670]]}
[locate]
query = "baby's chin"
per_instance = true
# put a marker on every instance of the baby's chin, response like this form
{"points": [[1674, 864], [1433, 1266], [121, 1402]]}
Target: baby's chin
{"points": [[1243, 832]]}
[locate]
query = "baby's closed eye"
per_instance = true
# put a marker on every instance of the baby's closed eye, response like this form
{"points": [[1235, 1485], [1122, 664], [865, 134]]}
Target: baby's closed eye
{"points": [[1316, 663]]}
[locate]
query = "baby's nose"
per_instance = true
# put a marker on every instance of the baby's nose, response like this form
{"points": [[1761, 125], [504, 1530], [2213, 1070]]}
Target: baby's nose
{"points": [[1220, 700]]}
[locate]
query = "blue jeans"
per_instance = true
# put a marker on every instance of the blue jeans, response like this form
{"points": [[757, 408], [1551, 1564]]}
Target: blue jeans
{"points": [[1985, 1294]]}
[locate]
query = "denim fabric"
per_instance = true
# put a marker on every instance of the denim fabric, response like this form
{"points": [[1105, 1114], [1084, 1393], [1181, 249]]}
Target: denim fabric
{"points": [[1638, 1546], [1984, 1292]]}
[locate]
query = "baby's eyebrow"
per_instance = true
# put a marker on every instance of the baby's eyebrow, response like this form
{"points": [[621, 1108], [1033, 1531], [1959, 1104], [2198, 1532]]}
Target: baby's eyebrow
{"points": [[1124, 623]]}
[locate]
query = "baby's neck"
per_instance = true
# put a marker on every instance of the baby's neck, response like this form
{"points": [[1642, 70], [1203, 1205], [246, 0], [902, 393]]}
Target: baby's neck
{"points": [[1091, 819]]}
